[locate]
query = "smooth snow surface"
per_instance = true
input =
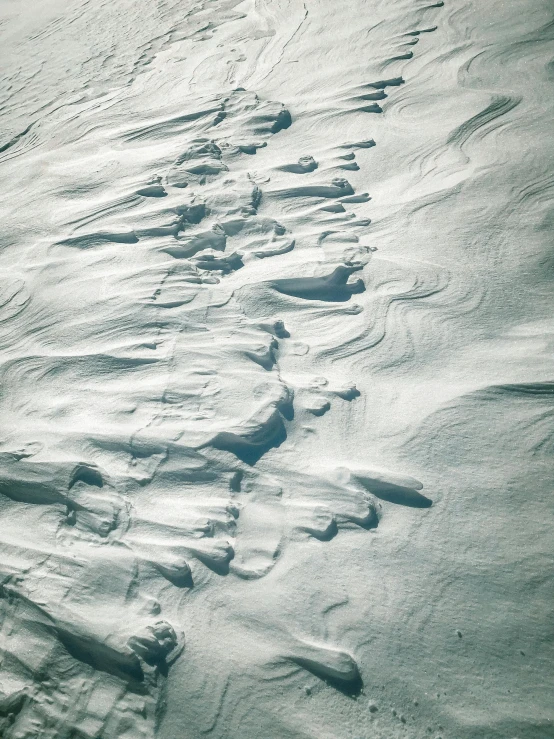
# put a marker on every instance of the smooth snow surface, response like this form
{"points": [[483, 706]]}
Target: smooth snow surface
{"points": [[276, 388]]}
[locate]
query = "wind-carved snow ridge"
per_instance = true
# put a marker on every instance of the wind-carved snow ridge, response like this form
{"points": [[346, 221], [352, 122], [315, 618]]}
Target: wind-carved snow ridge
{"points": [[165, 488]]}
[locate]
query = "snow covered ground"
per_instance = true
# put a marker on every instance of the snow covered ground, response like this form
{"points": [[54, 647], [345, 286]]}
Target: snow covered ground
{"points": [[276, 382]]}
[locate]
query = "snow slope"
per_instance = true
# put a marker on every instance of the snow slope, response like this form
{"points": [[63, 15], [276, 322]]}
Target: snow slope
{"points": [[276, 375]]}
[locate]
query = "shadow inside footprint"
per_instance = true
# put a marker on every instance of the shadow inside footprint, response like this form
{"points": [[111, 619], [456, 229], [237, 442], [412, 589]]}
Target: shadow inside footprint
{"points": [[303, 166], [220, 567], [252, 450], [351, 689], [406, 496], [394, 488], [326, 535], [332, 288], [181, 579], [92, 650], [340, 673]]}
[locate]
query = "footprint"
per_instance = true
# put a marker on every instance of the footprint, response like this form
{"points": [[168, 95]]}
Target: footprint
{"points": [[318, 405], [216, 554], [156, 643], [226, 264], [260, 529], [304, 165], [200, 163], [94, 512], [275, 327], [189, 245], [315, 520], [265, 430], [251, 148], [168, 559]]}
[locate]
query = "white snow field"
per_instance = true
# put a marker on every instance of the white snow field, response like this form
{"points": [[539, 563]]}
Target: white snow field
{"points": [[276, 371]]}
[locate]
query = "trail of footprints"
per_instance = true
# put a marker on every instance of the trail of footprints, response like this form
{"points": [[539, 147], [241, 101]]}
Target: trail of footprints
{"points": [[188, 501]]}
